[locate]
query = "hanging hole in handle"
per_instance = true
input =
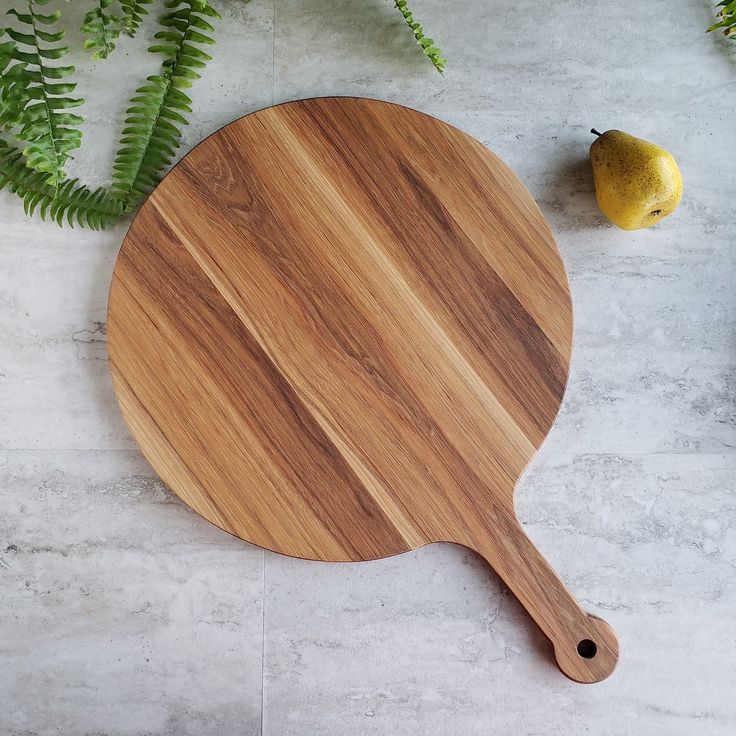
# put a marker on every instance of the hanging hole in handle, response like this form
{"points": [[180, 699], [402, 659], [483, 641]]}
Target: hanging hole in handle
{"points": [[587, 649]]}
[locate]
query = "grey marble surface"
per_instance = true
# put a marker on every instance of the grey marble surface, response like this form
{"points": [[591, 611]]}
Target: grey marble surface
{"points": [[124, 614]]}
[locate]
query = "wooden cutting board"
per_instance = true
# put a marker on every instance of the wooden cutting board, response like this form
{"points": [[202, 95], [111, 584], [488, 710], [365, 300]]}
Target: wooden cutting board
{"points": [[340, 329]]}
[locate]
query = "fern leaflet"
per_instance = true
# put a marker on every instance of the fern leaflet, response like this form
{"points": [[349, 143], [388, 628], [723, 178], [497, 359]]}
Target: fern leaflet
{"points": [[133, 12], [428, 48], [32, 99], [102, 28], [154, 119], [727, 15], [70, 201]]}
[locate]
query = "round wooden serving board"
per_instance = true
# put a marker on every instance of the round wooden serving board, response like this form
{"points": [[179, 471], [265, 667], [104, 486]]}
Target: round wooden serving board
{"points": [[340, 329]]}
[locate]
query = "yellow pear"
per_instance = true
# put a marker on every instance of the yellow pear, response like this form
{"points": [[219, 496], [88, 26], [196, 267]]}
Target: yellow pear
{"points": [[637, 183]]}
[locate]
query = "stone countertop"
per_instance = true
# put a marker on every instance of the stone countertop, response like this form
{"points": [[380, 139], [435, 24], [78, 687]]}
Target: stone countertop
{"points": [[124, 614]]}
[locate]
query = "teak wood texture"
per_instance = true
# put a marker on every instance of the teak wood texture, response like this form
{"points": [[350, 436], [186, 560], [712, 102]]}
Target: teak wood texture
{"points": [[340, 329]]}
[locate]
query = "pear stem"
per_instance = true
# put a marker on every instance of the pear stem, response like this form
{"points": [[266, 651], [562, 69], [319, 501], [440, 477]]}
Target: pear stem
{"points": [[594, 131]]}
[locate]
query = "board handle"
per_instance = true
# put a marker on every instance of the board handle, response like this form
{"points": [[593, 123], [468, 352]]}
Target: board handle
{"points": [[585, 646]]}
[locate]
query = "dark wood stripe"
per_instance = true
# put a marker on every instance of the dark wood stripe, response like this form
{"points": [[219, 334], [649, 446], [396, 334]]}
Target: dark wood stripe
{"points": [[499, 336], [352, 339], [194, 319]]}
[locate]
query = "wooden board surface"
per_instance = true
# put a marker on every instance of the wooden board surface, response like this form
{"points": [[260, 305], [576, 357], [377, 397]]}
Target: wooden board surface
{"points": [[340, 329]]}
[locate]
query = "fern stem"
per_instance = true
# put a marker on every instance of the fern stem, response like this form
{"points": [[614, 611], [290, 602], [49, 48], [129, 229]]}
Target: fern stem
{"points": [[71, 202], [34, 103], [42, 69], [152, 135], [105, 35], [432, 52], [132, 12], [167, 75]]}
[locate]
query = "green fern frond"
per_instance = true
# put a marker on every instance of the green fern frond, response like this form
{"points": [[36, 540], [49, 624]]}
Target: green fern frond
{"points": [[428, 48], [33, 101], [133, 12], [152, 130], [70, 202], [102, 28], [727, 15]]}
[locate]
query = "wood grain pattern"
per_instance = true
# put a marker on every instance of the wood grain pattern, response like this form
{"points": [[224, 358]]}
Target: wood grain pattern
{"points": [[340, 329]]}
